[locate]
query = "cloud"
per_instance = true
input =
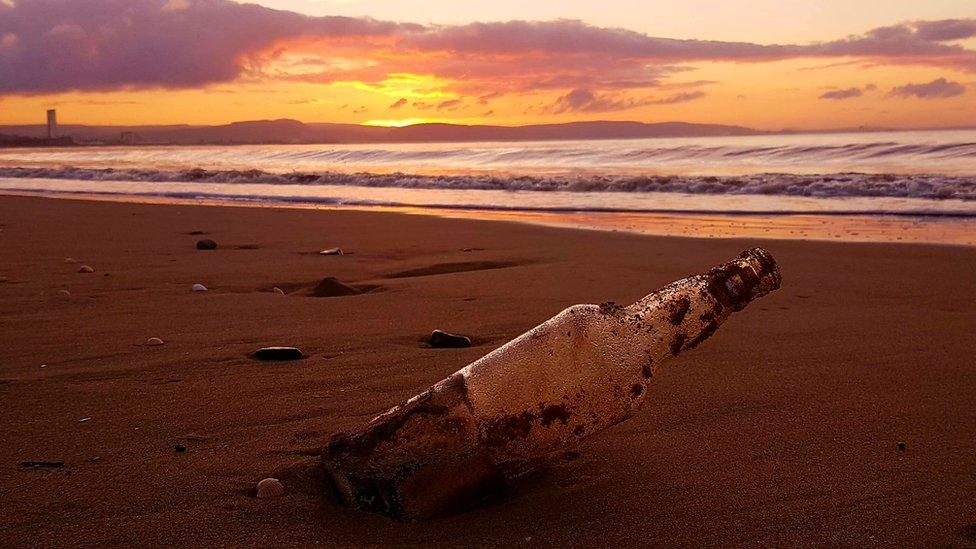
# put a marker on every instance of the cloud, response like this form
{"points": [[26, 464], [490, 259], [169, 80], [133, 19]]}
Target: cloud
{"points": [[939, 88], [399, 103], [849, 93], [579, 38], [946, 30], [678, 98], [449, 105], [109, 44], [583, 100], [50, 46]]}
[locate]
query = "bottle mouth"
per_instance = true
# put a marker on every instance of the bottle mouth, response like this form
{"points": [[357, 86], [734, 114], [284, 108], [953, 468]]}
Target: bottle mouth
{"points": [[765, 268], [750, 276]]}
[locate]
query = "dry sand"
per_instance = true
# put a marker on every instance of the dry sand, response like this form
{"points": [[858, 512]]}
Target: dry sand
{"points": [[781, 429]]}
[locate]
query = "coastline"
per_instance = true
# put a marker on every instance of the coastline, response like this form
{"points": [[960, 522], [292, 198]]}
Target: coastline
{"points": [[932, 229], [781, 429]]}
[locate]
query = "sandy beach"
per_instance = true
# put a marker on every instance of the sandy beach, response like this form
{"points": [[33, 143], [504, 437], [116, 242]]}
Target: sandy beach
{"points": [[782, 429]]}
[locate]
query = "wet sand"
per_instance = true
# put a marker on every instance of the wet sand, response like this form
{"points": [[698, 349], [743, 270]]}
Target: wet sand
{"points": [[782, 429]]}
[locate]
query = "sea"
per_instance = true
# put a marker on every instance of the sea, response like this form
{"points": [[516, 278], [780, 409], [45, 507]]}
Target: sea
{"points": [[910, 186]]}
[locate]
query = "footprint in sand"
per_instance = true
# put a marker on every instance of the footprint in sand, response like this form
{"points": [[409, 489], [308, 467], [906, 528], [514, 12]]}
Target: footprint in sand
{"points": [[327, 287]]}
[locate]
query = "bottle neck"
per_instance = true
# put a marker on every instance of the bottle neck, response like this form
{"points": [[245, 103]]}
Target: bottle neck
{"points": [[746, 278]]}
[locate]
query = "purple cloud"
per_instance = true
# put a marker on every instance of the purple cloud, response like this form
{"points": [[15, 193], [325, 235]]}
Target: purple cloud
{"points": [[59, 45], [946, 30], [939, 88], [581, 100], [849, 93], [577, 37], [49, 46], [678, 98], [584, 100], [399, 103]]}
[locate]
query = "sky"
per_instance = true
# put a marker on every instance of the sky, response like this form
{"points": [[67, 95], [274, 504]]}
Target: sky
{"points": [[767, 64]]}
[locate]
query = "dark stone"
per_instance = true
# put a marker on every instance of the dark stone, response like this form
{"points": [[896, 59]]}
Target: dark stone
{"points": [[901, 445], [279, 353], [42, 464], [443, 340], [206, 244], [180, 448]]}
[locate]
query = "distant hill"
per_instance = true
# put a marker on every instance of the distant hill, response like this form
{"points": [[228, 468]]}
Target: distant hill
{"points": [[293, 131]]}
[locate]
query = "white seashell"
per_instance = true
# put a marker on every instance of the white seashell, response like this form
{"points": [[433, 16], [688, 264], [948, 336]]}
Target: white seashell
{"points": [[86, 269], [278, 291], [270, 488], [154, 342], [331, 251], [199, 288]]}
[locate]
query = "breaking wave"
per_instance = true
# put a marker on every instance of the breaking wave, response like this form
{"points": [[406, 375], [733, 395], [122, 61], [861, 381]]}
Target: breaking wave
{"points": [[916, 186]]}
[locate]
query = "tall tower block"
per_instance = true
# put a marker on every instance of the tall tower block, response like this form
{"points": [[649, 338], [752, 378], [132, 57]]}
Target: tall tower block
{"points": [[52, 123]]}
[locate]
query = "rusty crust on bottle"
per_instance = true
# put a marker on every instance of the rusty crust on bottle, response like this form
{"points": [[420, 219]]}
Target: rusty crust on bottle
{"points": [[582, 371]]}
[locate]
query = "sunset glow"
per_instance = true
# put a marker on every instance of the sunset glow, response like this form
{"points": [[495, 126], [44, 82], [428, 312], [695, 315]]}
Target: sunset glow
{"points": [[213, 62]]}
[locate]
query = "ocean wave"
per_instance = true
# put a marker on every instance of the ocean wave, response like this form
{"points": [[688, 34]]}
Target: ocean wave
{"points": [[919, 186], [350, 202]]}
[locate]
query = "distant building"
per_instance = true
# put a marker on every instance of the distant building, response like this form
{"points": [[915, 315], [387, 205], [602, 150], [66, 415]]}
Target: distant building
{"points": [[52, 123]]}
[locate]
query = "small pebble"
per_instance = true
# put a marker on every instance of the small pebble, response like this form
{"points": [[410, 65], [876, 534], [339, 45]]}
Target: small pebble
{"points": [[901, 445], [84, 420], [279, 353], [180, 449], [443, 340], [154, 342], [70, 260], [278, 291], [270, 488], [86, 269], [199, 288], [206, 244], [64, 293], [43, 365], [331, 251]]}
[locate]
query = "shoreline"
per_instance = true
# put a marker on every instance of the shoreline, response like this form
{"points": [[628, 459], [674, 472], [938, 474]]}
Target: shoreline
{"points": [[752, 132], [944, 229], [781, 429]]}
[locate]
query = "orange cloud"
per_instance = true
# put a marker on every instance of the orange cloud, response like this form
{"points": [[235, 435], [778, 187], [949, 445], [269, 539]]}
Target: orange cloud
{"points": [[59, 45]]}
